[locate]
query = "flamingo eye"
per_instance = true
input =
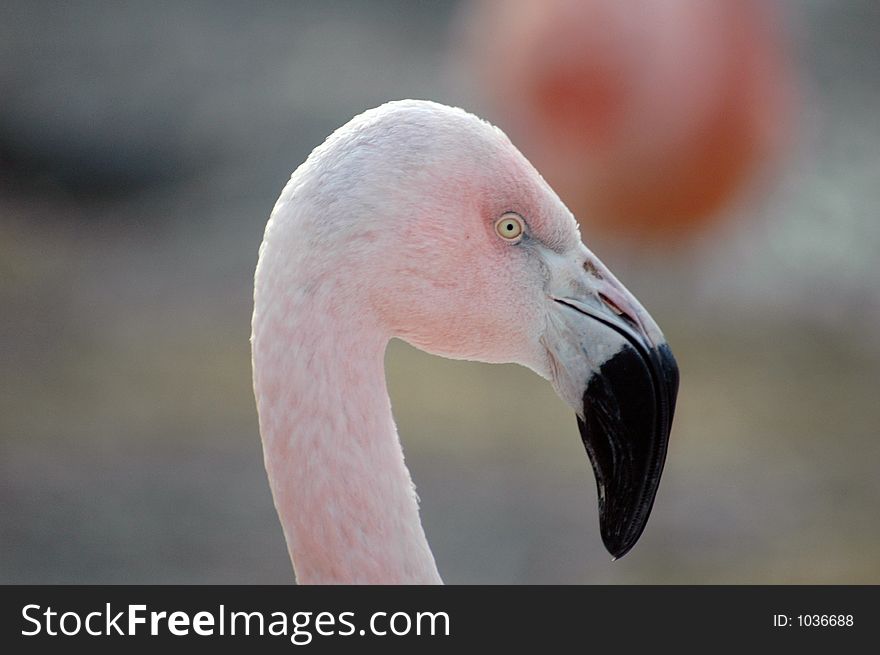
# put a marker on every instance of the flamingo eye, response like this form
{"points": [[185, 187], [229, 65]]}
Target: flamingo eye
{"points": [[510, 227]]}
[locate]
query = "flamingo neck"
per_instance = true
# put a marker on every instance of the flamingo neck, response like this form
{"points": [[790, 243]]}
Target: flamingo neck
{"points": [[335, 464]]}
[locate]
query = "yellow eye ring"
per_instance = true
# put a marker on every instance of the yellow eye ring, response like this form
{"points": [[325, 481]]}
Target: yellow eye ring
{"points": [[510, 227]]}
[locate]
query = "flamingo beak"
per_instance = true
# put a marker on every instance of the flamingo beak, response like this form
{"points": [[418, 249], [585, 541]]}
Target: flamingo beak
{"points": [[623, 386]]}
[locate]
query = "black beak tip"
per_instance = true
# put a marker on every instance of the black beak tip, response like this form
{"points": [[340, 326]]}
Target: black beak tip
{"points": [[628, 408], [621, 524], [616, 546]]}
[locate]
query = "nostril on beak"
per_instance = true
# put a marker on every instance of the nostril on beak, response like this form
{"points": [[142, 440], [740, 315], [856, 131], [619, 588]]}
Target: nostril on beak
{"points": [[590, 268]]}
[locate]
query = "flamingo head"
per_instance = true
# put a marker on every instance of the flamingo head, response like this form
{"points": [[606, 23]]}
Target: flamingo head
{"points": [[455, 244]]}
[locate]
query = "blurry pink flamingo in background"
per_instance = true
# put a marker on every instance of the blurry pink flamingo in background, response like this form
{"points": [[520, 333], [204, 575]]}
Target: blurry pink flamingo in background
{"points": [[422, 222], [647, 116]]}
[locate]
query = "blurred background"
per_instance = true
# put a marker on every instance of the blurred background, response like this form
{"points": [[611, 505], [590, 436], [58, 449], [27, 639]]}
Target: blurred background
{"points": [[723, 158]]}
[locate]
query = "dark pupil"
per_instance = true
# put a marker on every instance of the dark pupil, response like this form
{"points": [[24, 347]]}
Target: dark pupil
{"points": [[510, 227]]}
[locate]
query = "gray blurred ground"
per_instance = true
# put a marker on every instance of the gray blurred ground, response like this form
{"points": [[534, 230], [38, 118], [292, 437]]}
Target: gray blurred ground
{"points": [[142, 147]]}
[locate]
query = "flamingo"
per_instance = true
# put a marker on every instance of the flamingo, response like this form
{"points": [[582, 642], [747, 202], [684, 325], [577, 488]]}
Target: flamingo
{"points": [[423, 222]]}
